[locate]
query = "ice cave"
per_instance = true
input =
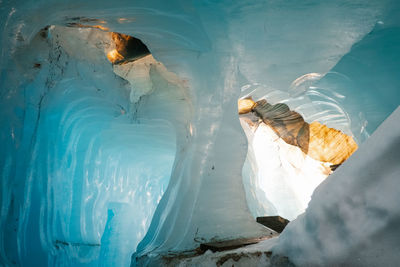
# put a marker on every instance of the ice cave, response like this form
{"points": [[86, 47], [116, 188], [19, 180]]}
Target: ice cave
{"points": [[200, 133]]}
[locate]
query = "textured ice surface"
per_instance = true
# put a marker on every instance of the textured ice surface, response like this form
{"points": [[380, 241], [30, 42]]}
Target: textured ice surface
{"points": [[90, 171], [69, 164]]}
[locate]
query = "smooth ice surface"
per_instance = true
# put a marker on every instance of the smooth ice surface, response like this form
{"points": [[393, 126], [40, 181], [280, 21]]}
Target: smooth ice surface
{"points": [[67, 144]]}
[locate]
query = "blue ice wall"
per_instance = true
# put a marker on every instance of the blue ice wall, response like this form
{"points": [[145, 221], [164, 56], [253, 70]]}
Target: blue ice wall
{"points": [[86, 175], [366, 80]]}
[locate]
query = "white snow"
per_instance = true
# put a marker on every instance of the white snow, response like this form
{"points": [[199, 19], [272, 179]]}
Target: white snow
{"points": [[353, 217]]}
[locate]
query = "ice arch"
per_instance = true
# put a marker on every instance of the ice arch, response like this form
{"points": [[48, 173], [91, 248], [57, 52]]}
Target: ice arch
{"points": [[218, 47], [87, 154]]}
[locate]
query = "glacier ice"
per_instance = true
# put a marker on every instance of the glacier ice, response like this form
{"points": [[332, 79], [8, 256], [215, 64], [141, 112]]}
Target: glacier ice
{"points": [[89, 156], [352, 219], [87, 165]]}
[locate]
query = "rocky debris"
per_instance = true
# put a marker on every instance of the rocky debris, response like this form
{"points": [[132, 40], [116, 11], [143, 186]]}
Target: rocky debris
{"points": [[315, 139], [245, 105], [232, 244], [236, 257], [79, 25], [82, 22], [330, 145], [265, 257], [252, 120], [335, 166], [276, 223], [127, 48], [288, 124], [254, 255]]}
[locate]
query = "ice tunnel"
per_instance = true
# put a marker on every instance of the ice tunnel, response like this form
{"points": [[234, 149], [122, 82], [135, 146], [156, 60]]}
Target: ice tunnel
{"points": [[154, 133]]}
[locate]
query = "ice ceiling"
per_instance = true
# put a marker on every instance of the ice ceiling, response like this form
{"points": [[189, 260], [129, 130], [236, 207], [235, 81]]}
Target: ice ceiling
{"points": [[100, 161]]}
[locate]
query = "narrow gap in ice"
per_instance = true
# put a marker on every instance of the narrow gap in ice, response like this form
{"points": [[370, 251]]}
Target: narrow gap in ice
{"points": [[287, 157]]}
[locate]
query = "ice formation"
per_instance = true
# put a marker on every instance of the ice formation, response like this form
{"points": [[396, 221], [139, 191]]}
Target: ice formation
{"points": [[148, 158], [349, 221], [88, 168]]}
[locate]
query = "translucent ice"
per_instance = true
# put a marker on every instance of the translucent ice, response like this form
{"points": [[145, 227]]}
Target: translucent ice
{"points": [[88, 156]]}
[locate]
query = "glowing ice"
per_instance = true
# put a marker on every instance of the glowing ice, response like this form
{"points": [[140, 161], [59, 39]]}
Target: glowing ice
{"points": [[77, 154]]}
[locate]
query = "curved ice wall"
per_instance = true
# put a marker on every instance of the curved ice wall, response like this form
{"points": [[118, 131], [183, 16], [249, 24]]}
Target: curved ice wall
{"points": [[219, 47], [90, 169]]}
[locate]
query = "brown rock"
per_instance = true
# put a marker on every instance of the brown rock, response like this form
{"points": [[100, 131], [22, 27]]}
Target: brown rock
{"points": [[330, 145], [288, 125], [316, 140], [233, 244], [276, 223], [128, 48], [245, 105]]}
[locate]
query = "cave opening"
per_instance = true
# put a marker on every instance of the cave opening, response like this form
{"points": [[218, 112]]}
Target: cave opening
{"points": [[287, 157], [122, 95]]}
